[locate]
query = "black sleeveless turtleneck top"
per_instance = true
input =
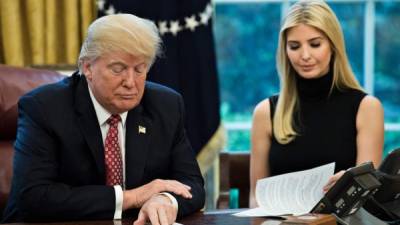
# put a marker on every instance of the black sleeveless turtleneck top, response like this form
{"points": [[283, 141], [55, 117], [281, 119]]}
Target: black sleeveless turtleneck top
{"points": [[326, 124]]}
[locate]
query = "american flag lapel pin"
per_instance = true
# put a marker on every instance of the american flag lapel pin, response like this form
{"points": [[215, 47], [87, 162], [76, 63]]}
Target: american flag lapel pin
{"points": [[141, 129]]}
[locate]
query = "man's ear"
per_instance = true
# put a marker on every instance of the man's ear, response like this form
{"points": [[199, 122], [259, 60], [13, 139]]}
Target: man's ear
{"points": [[87, 70]]}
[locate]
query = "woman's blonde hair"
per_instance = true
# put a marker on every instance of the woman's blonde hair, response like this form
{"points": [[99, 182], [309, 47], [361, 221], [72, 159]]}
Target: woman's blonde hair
{"points": [[121, 32], [319, 15]]}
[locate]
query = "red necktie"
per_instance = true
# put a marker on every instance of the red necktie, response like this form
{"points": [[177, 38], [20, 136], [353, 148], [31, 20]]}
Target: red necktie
{"points": [[112, 152]]}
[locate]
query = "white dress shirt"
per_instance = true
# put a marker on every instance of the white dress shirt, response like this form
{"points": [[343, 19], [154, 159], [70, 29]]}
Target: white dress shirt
{"points": [[102, 116]]}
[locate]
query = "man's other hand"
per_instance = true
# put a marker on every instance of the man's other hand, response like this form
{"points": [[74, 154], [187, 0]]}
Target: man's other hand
{"points": [[159, 210], [135, 198]]}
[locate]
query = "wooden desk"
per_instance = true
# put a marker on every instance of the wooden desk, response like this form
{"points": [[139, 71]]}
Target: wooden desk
{"points": [[220, 217]]}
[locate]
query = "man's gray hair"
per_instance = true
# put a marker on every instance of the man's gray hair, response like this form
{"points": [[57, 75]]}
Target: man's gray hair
{"points": [[121, 32]]}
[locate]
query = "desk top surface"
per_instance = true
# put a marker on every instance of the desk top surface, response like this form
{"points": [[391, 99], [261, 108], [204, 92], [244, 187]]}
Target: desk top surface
{"points": [[219, 217]]}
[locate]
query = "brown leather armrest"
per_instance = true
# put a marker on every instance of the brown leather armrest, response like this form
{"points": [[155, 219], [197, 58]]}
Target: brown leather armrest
{"points": [[6, 156]]}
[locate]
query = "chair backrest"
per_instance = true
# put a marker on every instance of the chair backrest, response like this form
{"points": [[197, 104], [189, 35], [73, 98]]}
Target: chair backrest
{"points": [[234, 175], [389, 171], [14, 82]]}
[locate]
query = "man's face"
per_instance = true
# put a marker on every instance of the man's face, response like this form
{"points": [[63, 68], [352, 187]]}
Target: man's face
{"points": [[117, 80]]}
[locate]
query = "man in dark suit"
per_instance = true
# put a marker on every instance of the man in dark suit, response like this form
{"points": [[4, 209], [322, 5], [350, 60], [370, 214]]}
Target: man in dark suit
{"points": [[104, 141]]}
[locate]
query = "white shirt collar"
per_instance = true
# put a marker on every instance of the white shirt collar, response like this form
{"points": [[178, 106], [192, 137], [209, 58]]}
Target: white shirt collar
{"points": [[102, 113]]}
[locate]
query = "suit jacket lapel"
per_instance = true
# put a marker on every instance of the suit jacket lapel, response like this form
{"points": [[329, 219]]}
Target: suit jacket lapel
{"points": [[89, 124], [138, 131]]}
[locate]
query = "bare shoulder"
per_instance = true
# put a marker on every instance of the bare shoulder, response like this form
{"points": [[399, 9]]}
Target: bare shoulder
{"points": [[262, 109], [261, 117], [370, 111], [370, 103]]}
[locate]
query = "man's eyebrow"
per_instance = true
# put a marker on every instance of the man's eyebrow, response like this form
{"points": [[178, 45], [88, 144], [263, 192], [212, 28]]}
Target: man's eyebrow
{"points": [[140, 64], [116, 63]]}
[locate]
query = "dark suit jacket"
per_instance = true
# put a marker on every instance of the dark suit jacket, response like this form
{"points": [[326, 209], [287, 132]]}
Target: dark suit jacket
{"points": [[59, 171]]}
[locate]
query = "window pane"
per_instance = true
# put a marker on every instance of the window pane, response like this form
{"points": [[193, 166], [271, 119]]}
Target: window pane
{"points": [[238, 140], [246, 37], [351, 18], [387, 66]]}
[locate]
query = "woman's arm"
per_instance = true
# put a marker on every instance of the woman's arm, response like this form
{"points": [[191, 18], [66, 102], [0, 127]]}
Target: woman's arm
{"points": [[260, 144], [370, 131]]}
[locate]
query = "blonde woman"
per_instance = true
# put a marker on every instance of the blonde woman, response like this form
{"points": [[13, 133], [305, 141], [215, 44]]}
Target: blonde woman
{"points": [[321, 114]]}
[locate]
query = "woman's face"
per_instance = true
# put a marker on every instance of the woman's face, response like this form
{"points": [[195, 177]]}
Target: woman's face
{"points": [[308, 50]]}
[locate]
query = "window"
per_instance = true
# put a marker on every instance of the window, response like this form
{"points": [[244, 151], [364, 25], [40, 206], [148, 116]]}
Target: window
{"points": [[246, 34]]}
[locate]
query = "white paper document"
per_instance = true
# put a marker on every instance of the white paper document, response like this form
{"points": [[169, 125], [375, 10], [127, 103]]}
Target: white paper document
{"points": [[292, 193]]}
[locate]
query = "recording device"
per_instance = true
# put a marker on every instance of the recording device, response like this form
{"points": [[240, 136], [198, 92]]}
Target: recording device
{"points": [[350, 192], [385, 204]]}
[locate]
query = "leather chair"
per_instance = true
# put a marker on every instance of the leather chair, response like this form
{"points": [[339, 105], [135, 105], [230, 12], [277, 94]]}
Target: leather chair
{"points": [[234, 174], [14, 82]]}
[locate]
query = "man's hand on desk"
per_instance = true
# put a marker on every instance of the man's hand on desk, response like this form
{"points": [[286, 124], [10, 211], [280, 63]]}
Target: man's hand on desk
{"points": [[137, 197], [159, 210]]}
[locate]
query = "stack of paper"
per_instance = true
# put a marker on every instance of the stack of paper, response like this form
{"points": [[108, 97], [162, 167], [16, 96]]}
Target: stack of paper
{"points": [[292, 193]]}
